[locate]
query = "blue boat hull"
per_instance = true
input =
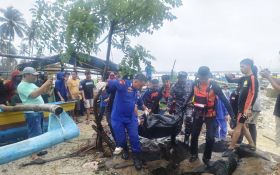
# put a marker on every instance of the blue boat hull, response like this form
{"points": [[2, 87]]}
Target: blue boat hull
{"points": [[16, 134], [60, 129]]}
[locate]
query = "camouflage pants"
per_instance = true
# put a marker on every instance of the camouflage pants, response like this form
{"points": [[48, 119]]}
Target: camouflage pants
{"points": [[188, 121]]}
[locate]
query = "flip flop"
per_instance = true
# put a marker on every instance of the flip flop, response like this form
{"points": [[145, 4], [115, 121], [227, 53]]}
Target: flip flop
{"points": [[42, 153]]}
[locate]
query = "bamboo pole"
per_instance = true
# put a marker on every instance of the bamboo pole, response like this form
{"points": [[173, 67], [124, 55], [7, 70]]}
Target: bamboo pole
{"points": [[57, 110]]}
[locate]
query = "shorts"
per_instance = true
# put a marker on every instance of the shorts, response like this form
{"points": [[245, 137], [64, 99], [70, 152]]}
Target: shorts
{"points": [[34, 122], [88, 103], [241, 118], [77, 105]]}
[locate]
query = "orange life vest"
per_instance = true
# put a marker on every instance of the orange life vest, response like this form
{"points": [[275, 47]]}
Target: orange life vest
{"points": [[204, 99], [166, 91]]}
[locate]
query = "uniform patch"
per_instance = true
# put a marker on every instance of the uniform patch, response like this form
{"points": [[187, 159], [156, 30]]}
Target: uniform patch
{"points": [[154, 94], [122, 82], [129, 89], [245, 84]]}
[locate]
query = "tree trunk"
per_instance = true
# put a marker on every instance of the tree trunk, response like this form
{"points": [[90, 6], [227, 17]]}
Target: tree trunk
{"points": [[32, 46], [61, 66], [29, 48], [110, 35], [75, 62], [10, 44]]}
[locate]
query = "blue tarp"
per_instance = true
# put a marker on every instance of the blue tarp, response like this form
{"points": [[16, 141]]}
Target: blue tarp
{"points": [[91, 63]]}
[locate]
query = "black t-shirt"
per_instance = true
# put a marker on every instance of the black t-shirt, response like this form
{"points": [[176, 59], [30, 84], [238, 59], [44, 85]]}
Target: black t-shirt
{"points": [[277, 107], [87, 86], [249, 85]]}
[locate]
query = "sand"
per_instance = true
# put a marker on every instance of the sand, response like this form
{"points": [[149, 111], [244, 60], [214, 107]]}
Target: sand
{"points": [[265, 142], [65, 166]]}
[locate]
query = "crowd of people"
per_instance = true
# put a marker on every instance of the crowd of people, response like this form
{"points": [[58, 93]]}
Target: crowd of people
{"points": [[202, 101]]}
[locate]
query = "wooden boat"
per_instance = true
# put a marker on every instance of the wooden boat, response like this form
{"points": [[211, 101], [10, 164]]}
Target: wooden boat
{"points": [[13, 127]]}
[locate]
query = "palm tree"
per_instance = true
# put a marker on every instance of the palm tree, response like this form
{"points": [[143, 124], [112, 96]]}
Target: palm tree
{"points": [[4, 44], [7, 64], [12, 23], [31, 36], [23, 49]]}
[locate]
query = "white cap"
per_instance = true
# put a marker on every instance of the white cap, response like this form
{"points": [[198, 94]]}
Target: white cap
{"points": [[29, 70]]}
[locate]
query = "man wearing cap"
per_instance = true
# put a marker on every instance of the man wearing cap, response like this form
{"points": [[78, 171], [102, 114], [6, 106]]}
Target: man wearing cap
{"points": [[152, 96], [29, 93], [179, 93], [124, 117], [203, 97]]}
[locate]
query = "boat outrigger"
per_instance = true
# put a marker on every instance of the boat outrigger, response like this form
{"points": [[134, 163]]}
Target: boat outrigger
{"points": [[61, 127]]}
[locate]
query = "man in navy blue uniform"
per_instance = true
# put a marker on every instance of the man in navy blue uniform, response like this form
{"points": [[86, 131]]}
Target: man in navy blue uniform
{"points": [[124, 117], [152, 96]]}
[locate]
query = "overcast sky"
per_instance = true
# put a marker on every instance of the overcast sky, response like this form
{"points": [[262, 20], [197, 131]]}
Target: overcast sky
{"points": [[216, 33]]}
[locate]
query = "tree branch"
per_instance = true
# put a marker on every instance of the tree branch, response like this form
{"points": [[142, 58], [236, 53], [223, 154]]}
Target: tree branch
{"points": [[104, 39]]}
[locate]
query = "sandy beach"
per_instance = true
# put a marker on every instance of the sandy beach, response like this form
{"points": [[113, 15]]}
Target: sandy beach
{"points": [[265, 142]]}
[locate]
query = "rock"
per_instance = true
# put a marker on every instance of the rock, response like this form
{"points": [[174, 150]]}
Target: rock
{"points": [[91, 165], [276, 169], [116, 160], [119, 166], [272, 93], [245, 151], [218, 167], [254, 166], [132, 171], [185, 166], [158, 167]]}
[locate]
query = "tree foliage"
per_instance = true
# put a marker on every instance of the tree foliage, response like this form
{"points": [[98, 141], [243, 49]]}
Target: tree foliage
{"points": [[12, 23], [82, 30], [131, 63], [7, 64], [49, 21], [125, 18], [74, 28]]}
